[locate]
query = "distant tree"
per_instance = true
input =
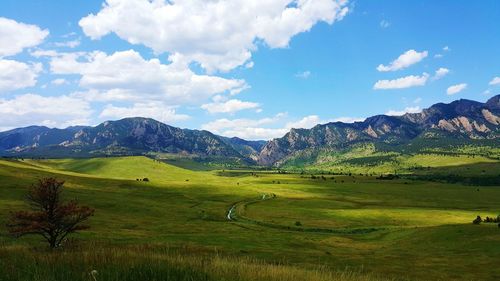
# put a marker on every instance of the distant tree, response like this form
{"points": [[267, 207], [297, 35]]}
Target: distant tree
{"points": [[145, 179], [49, 216]]}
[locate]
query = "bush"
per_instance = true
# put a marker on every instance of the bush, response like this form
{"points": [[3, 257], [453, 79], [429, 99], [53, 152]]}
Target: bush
{"points": [[478, 220], [145, 179]]}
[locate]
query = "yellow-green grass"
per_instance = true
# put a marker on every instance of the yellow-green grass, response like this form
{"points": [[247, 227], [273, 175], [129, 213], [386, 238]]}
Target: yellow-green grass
{"points": [[331, 214], [368, 162], [437, 160], [424, 229], [154, 262]]}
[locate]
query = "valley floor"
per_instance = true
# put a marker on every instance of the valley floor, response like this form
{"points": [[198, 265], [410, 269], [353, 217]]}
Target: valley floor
{"points": [[253, 225]]}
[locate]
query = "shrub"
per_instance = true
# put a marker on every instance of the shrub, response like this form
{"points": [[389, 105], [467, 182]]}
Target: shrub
{"points": [[478, 220]]}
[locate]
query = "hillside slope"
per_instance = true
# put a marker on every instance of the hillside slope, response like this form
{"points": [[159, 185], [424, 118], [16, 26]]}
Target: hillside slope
{"points": [[464, 120]]}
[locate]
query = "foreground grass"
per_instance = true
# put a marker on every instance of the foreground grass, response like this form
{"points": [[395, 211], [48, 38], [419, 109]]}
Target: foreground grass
{"points": [[423, 229], [152, 263]]}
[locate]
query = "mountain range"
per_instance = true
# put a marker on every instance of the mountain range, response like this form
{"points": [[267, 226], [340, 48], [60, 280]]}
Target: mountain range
{"points": [[464, 120]]}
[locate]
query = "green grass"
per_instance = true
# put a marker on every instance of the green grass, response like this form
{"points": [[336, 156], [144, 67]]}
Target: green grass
{"points": [[148, 230], [153, 262], [367, 159]]}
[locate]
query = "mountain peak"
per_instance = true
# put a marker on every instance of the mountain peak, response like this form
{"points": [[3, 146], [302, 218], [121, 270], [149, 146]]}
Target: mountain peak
{"points": [[494, 103]]}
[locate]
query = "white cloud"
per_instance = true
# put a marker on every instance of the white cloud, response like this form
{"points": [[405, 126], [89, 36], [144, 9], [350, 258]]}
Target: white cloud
{"points": [[59, 81], [384, 24], [405, 60], [44, 53], [347, 119], [31, 109], [446, 48], [17, 75], [247, 128], [417, 100], [127, 76], [403, 82], [258, 129], [440, 73], [303, 75], [220, 35], [156, 111], [304, 123], [255, 133], [16, 36], [455, 89], [495, 81], [221, 124], [68, 35], [229, 106], [69, 44], [411, 109]]}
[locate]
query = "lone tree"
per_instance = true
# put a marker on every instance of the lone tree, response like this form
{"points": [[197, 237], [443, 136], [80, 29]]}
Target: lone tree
{"points": [[49, 216]]}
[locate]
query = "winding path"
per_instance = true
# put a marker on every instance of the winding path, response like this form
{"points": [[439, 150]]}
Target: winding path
{"points": [[240, 218]]}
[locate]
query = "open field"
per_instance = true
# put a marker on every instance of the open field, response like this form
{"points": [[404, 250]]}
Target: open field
{"points": [[284, 226]]}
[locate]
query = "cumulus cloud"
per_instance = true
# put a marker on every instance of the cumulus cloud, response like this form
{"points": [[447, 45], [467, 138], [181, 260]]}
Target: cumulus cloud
{"points": [[403, 82], [219, 35], [455, 89], [247, 128], [405, 60], [127, 76], [440, 73], [32, 109], [495, 81], [16, 75], [16, 36], [411, 109], [229, 106], [304, 123], [156, 111]]}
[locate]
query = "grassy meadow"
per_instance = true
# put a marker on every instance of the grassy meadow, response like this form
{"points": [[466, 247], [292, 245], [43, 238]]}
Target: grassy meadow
{"points": [[283, 226]]}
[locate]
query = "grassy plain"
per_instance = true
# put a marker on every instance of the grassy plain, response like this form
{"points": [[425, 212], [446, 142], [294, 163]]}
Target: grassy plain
{"points": [[175, 226]]}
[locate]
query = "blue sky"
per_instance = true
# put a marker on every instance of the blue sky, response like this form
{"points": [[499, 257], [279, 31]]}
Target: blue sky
{"points": [[252, 69]]}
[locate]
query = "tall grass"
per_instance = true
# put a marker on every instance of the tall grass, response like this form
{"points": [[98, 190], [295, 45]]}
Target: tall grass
{"points": [[148, 263]]}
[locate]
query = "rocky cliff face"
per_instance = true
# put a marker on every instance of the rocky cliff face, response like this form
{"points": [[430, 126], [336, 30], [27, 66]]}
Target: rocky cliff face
{"points": [[464, 118]]}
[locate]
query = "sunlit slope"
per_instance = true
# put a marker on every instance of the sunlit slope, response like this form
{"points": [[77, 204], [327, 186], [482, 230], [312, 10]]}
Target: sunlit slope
{"points": [[364, 158], [132, 168]]}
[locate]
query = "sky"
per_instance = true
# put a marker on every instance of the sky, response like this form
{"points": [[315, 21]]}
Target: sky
{"points": [[251, 69]]}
